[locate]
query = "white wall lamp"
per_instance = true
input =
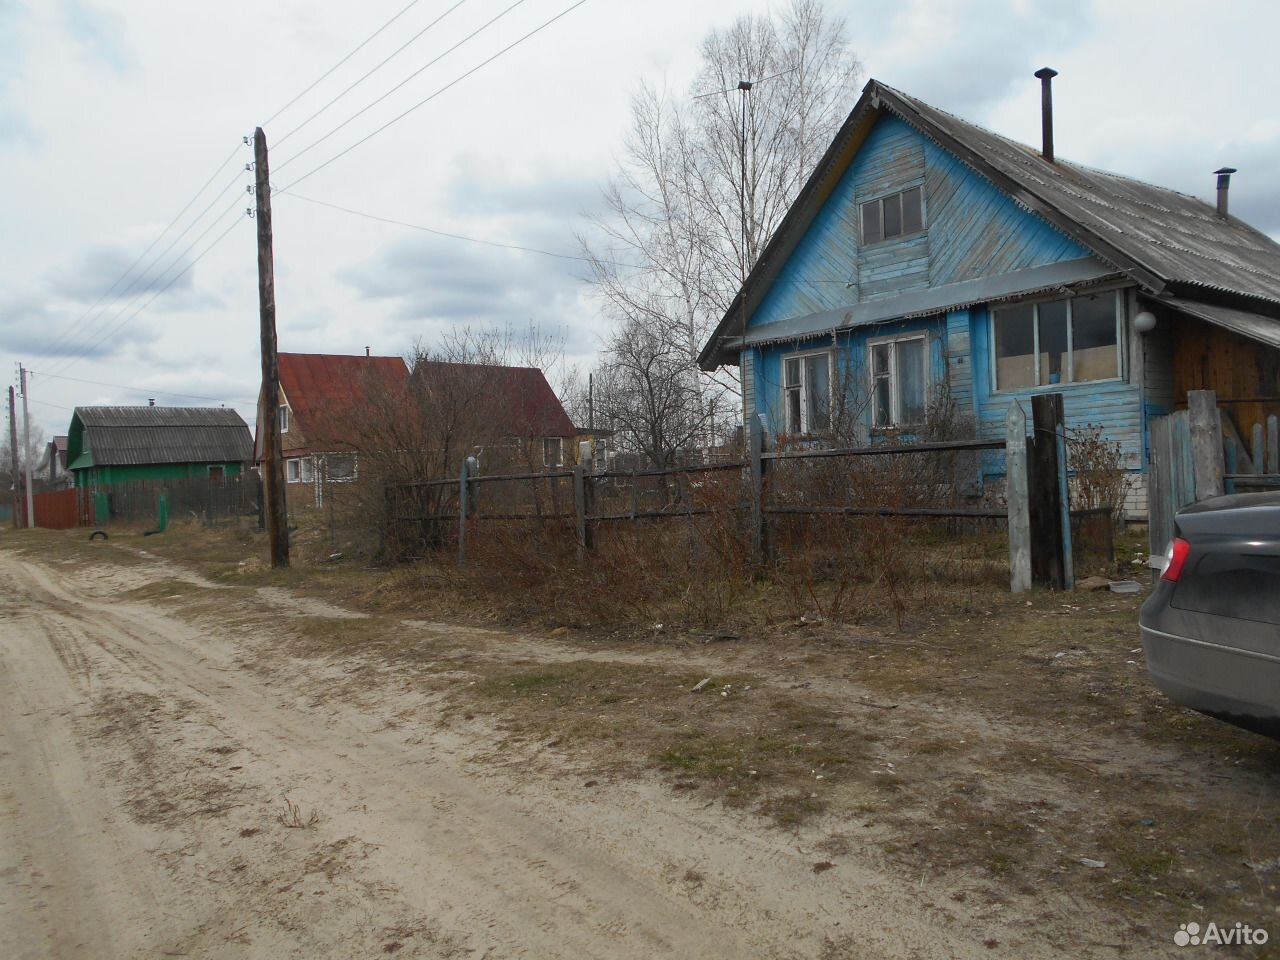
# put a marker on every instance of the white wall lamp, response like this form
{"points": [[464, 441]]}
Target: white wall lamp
{"points": [[1144, 322]]}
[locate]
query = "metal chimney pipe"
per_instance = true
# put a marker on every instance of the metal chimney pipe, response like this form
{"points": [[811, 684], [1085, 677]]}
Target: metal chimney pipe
{"points": [[1224, 184], [151, 401], [1046, 75]]}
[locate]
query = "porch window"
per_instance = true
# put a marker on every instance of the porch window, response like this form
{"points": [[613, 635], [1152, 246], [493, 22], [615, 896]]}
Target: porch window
{"points": [[552, 452], [1068, 340], [806, 393], [899, 373], [340, 467]]}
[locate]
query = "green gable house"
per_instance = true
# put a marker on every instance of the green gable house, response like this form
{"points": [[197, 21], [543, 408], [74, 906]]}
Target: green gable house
{"points": [[113, 445]]}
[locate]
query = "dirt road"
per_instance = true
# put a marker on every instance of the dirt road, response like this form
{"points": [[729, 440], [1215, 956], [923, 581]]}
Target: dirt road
{"points": [[145, 760]]}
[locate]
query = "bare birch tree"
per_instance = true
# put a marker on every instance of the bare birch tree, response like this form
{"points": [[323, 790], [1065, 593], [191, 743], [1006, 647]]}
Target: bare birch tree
{"points": [[704, 181]]}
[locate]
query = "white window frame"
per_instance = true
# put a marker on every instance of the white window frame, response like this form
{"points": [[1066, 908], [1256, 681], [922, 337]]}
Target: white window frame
{"points": [[355, 468], [559, 460], [804, 394], [284, 418], [299, 470], [1035, 342], [895, 391]]}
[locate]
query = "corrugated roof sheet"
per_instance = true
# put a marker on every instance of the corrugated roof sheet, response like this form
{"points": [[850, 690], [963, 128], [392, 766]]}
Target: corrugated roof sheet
{"points": [[1166, 241], [127, 436]]}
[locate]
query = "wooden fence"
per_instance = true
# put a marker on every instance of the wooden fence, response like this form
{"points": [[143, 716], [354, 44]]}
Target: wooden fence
{"points": [[439, 513], [207, 501], [1196, 454]]}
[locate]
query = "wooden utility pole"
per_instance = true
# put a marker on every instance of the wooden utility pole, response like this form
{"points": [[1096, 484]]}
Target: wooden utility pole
{"points": [[272, 455], [13, 455], [26, 449]]}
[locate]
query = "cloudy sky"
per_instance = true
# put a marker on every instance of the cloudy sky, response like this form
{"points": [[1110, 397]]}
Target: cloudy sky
{"points": [[114, 112]]}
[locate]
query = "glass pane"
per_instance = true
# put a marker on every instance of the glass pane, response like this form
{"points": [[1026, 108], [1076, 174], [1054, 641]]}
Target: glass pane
{"points": [[912, 213], [793, 410], [1053, 342], [881, 413], [817, 377], [341, 467], [910, 381], [893, 216], [871, 222], [1015, 348], [1093, 329], [793, 373], [880, 360]]}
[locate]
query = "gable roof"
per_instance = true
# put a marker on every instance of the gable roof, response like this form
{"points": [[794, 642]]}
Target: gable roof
{"points": [[128, 436], [1170, 243], [523, 401], [319, 386]]}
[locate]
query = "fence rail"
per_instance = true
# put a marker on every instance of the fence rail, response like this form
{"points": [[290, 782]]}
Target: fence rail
{"points": [[1036, 509]]}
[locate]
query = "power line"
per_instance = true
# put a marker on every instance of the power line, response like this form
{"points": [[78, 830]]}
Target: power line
{"points": [[371, 72], [129, 389], [425, 101], [172, 280], [369, 106], [66, 334], [454, 236]]}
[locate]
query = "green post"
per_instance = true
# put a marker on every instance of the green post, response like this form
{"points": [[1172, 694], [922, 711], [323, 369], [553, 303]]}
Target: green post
{"points": [[163, 510]]}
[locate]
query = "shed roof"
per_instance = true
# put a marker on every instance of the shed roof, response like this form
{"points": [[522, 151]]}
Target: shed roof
{"points": [[1170, 243], [126, 436]]}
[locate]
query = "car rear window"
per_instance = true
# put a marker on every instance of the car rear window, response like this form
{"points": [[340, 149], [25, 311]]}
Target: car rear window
{"points": [[1230, 584]]}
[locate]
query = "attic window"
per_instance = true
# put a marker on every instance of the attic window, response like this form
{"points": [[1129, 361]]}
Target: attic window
{"points": [[897, 215], [284, 419]]}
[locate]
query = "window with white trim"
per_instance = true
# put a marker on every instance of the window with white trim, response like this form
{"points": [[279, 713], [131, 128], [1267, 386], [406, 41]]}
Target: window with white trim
{"points": [[299, 470], [1068, 340], [896, 215], [899, 381], [340, 467], [806, 392], [284, 418], [552, 452]]}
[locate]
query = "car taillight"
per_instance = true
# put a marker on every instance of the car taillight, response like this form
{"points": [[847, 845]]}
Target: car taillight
{"points": [[1179, 550]]}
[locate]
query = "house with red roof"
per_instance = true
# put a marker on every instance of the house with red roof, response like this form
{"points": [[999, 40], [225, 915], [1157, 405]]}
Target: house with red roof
{"points": [[512, 415], [318, 393]]}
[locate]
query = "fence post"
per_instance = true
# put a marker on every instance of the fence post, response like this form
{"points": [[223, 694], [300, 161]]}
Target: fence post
{"points": [[580, 508], [1206, 443], [1044, 490], [1064, 501], [1273, 444], [1016, 495], [462, 512], [755, 447], [1259, 450]]}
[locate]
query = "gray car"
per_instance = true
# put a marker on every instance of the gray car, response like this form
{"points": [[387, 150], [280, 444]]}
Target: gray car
{"points": [[1211, 628]]}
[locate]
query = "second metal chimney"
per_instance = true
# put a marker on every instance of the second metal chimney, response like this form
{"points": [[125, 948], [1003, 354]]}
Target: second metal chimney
{"points": [[1224, 184], [1046, 75]]}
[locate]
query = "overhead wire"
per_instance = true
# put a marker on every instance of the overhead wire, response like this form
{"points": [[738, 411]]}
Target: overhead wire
{"points": [[144, 390], [75, 325], [382, 63], [428, 99], [434, 60], [172, 280], [324, 76]]}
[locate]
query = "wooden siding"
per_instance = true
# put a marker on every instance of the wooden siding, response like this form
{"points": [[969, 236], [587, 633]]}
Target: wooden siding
{"points": [[972, 230], [1243, 373]]}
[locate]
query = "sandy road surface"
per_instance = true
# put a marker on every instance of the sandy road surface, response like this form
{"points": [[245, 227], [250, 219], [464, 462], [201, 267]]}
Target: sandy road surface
{"points": [[142, 769]]}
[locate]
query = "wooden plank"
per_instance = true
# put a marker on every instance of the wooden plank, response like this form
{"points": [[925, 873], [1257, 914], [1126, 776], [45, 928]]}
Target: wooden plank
{"points": [[1044, 492], [1159, 492], [1273, 444], [755, 444], [980, 513], [1259, 450], [1017, 497], [886, 449], [1206, 443]]}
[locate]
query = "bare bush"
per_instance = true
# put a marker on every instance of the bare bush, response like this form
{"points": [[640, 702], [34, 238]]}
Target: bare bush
{"points": [[1098, 477]]}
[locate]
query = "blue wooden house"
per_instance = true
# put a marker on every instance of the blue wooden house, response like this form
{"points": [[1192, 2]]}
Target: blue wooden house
{"points": [[933, 270]]}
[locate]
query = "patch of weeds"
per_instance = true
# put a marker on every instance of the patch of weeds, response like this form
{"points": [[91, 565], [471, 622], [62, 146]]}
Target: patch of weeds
{"points": [[792, 809]]}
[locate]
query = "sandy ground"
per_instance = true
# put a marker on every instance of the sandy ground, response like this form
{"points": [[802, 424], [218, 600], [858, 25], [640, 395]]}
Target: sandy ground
{"points": [[145, 765]]}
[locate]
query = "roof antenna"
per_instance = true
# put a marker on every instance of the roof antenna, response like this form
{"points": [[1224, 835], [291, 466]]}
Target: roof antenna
{"points": [[1046, 75]]}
